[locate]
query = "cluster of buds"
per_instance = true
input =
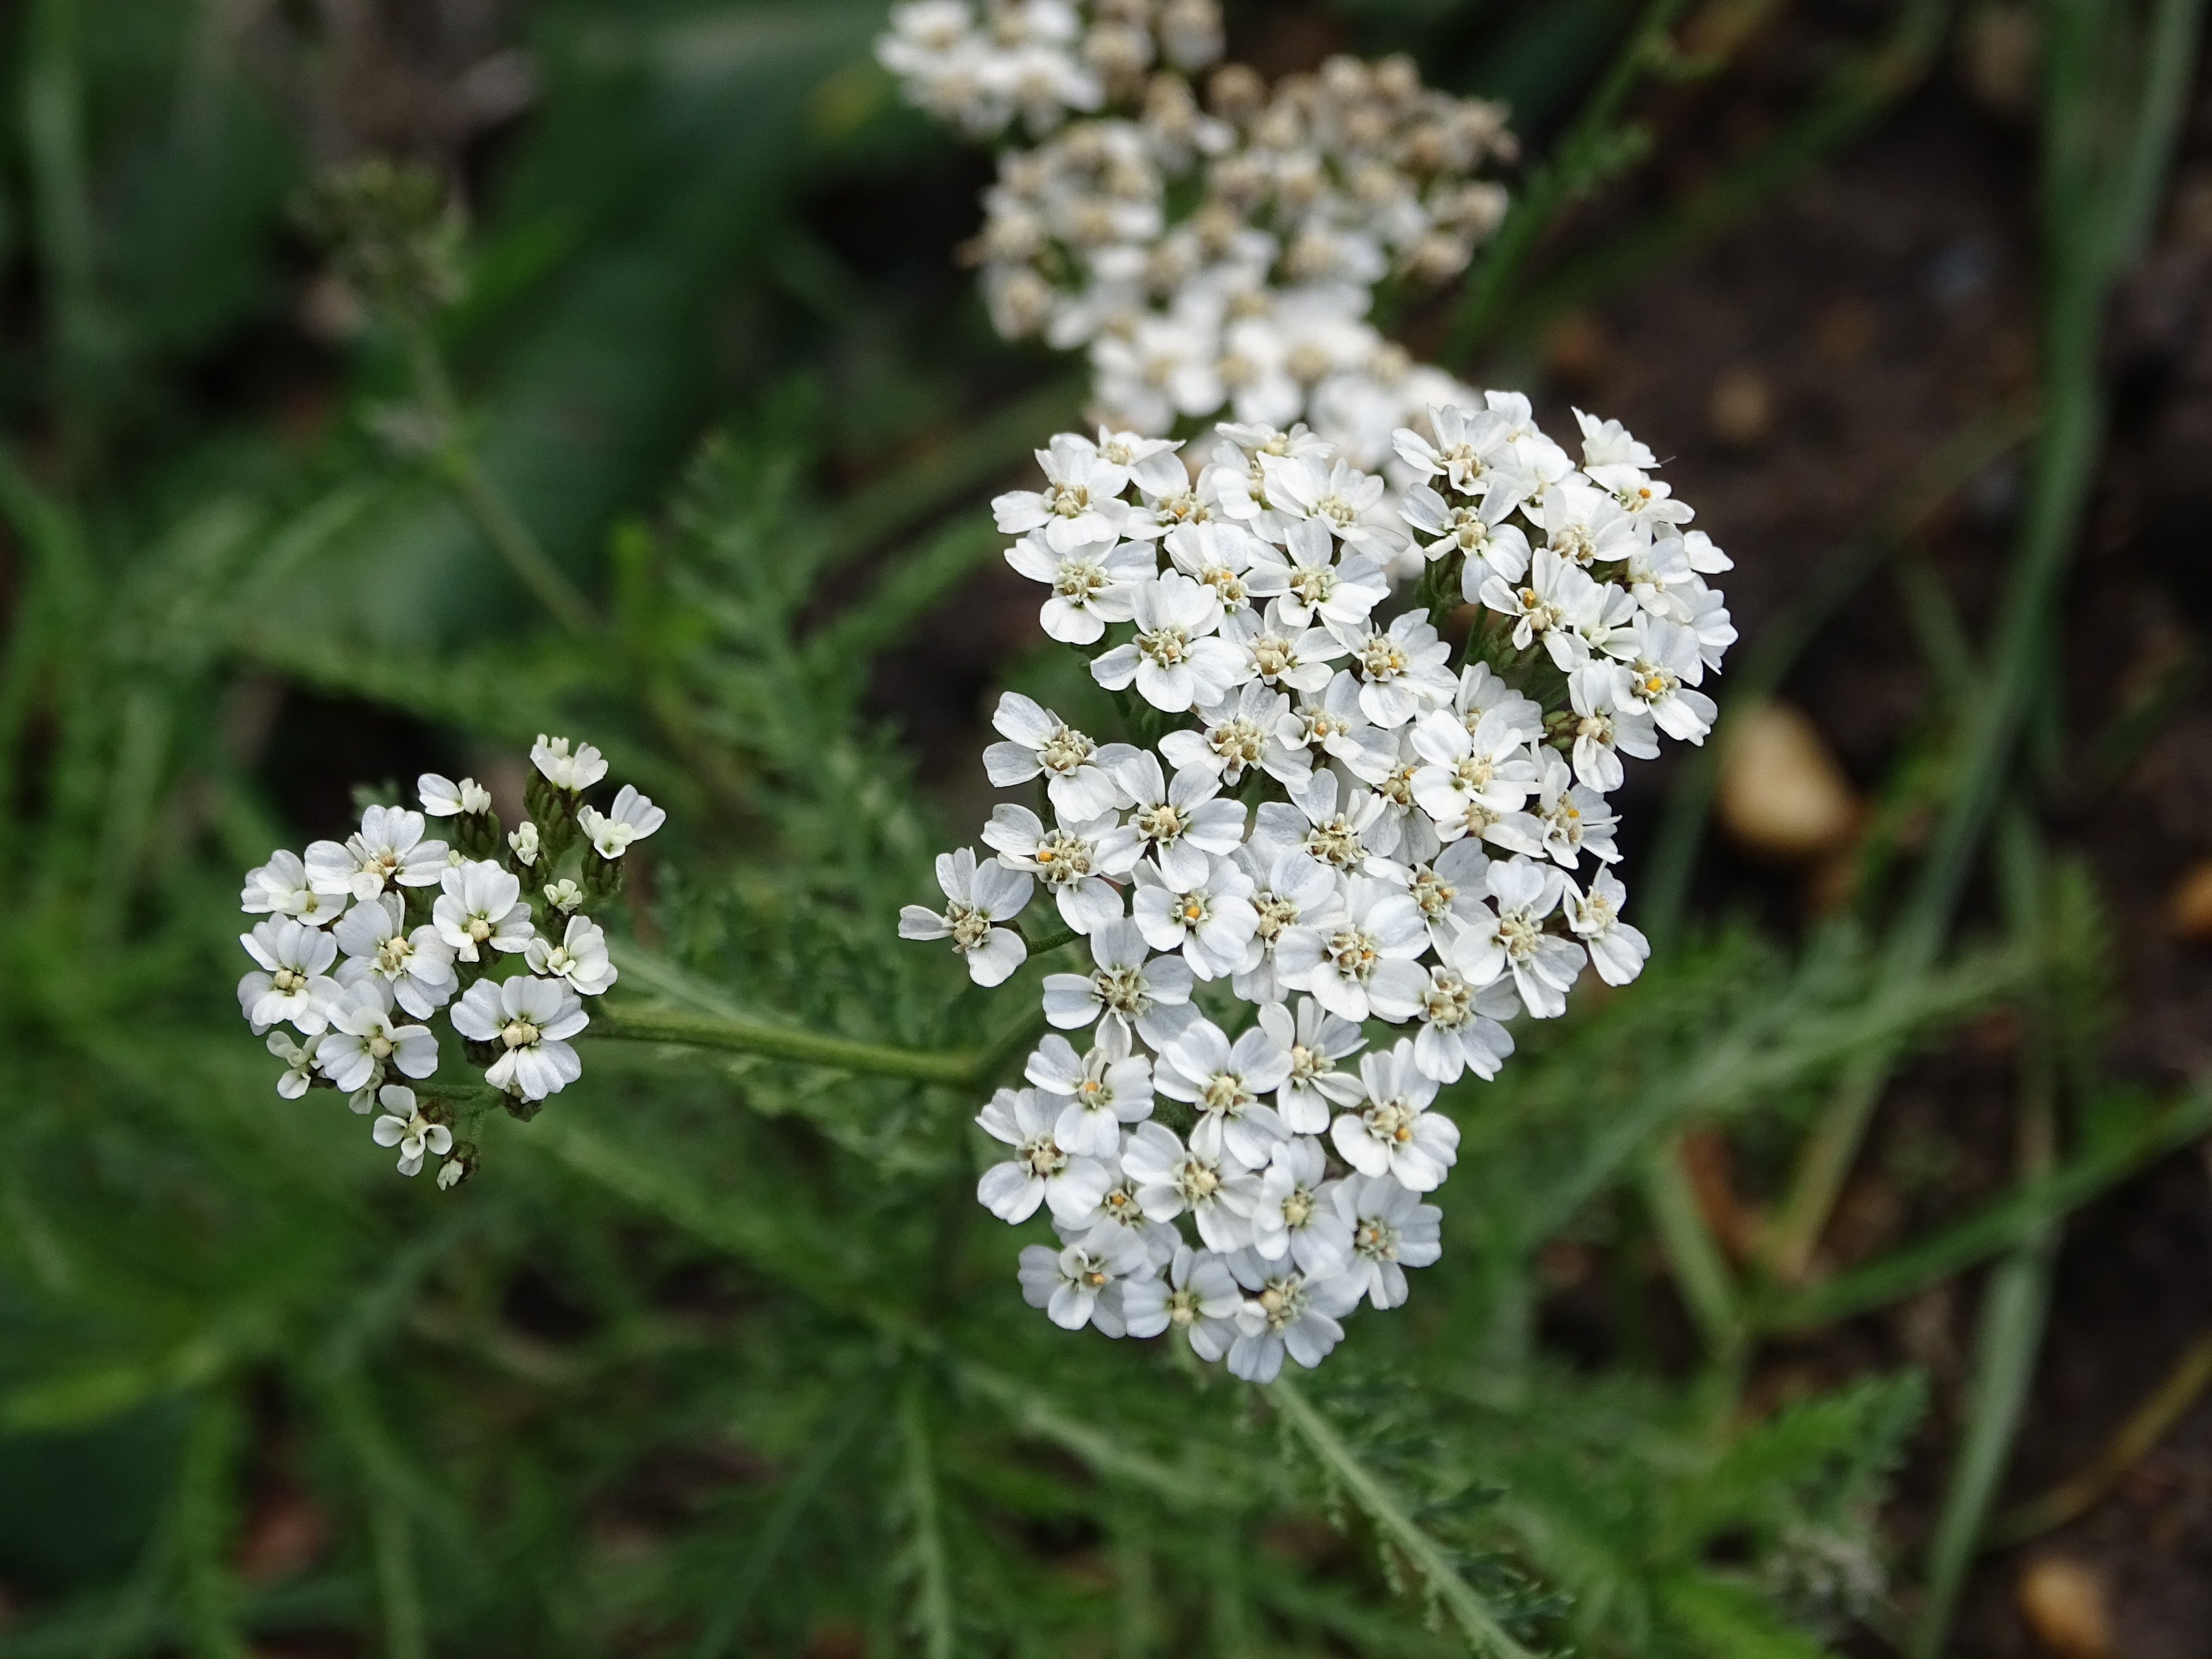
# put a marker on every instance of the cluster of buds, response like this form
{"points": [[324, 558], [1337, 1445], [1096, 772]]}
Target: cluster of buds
{"points": [[1227, 257], [1038, 60], [365, 943]]}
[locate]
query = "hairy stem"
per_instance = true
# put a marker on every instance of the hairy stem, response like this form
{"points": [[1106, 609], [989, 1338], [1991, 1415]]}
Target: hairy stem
{"points": [[1467, 1609]]}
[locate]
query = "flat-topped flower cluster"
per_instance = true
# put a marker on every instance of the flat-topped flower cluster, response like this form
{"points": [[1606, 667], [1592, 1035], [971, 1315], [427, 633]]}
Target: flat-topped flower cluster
{"points": [[364, 942], [1209, 258], [1344, 854]]}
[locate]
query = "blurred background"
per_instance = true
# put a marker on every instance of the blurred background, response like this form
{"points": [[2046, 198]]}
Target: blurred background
{"points": [[717, 350]]}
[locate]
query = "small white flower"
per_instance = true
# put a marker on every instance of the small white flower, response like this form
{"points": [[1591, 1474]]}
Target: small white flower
{"points": [[1605, 728], [1240, 732], [563, 895], [1363, 966], [1478, 529], [1586, 525], [1289, 890], [481, 910], [1402, 668], [1198, 1296], [1608, 443], [1393, 1132], [1092, 583], [451, 1174], [1317, 1039], [292, 984], [1543, 965], [418, 966], [1078, 1284], [1279, 653], [1316, 590], [1178, 822], [444, 799], [522, 840], [1219, 555], [1350, 836], [1339, 498], [977, 896], [1294, 1216], [1174, 661], [1081, 503], [1042, 1170], [1475, 784], [1286, 1312], [1391, 1230], [633, 818], [1544, 608], [1616, 951], [575, 772], [1460, 1024], [580, 957], [1068, 860], [1334, 724], [1469, 450], [363, 1040], [1079, 781], [532, 1018], [403, 1126], [1172, 1178], [1129, 989], [1097, 1092], [298, 1059], [283, 887], [390, 848], [1224, 1082], [1576, 820], [1211, 920], [1661, 663], [1449, 890]]}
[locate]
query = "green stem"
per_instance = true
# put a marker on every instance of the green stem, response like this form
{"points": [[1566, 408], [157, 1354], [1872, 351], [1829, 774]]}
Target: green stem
{"points": [[1694, 1255], [1574, 167], [2093, 222], [957, 1068], [934, 1613], [1467, 1609], [2016, 1301], [1985, 1234], [457, 465]]}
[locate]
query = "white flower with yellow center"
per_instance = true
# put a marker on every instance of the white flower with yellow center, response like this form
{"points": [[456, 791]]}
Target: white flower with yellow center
{"points": [[1211, 920], [530, 1020], [1295, 1217], [418, 964], [1197, 1296], [481, 910], [292, 984], [1129, 988], [1286, 1311], [1079, 779], [1616, 951], [1182, 823], [1175, 660], [1237, 734], [632, 818], [580, 957], [1096, 1091], [1391, 1230], [1392, 1132], [1362, 966], [389, 849], [1041, 1171], [1224, 1082], [1173, 1179], [977, 897], [1085, 1283], [403, 1126], [1092, 583]]}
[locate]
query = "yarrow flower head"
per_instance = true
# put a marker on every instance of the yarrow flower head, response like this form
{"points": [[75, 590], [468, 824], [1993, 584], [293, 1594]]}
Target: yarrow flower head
{"points": [[1353, 836], [379, 958]]}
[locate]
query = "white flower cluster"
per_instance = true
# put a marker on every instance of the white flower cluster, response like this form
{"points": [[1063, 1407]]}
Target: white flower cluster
{"points": [[1039, 59], [1334, 843], [1225, 260], [364, 942]]}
